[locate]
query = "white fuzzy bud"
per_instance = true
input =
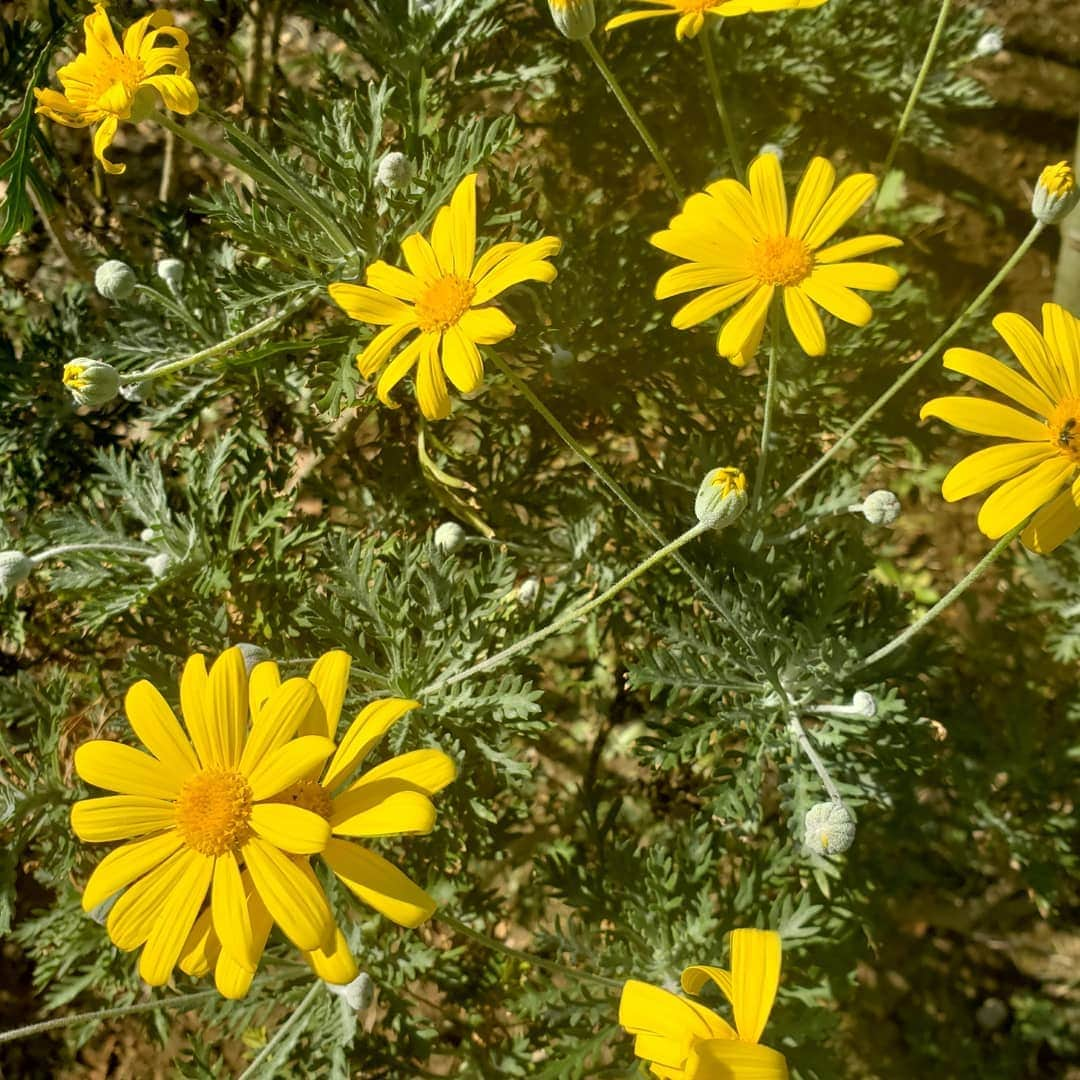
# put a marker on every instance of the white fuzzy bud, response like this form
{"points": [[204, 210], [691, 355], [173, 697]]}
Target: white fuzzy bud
{"points": [[864, 704], [991, 1014], [990, 44], [171, 271], [114, 279], [158, 565], [574, 19], [721, 498], [561, 361], [528, 591], [356, 994], [395, 171], [15, 568], [449, 537], [828, 829], [775, 149], [91, 382], [148, 535], [253, 655], [879, 507], [1056, 193]]}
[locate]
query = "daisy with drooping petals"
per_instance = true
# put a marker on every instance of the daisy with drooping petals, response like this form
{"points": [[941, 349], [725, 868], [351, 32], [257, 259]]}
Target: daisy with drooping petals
{"points": [[446, 294], [199, 806], [691, 13], [391, 799], [1038, 471], [683, 1040], [107, 83], [744, 245]]}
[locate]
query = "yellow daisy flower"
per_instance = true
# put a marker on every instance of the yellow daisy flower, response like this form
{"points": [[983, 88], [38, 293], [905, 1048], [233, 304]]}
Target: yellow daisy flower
{"points": [[1036, 472], [683, 1040], [198, 807], [391, 799], [743, 245], [691, 13], [446, 295], [107, 83]]}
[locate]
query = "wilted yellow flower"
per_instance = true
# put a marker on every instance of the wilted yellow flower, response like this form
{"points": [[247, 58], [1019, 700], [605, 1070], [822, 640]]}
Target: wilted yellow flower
{"points": [[107, 83], [391, 799], [691, 13], [198, 808], [446, 295], [743, 245], [683, 1040], [1037, 470]]}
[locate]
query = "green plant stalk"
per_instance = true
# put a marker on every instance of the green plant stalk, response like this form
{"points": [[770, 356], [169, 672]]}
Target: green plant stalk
{"points": [[263, 179], [914, 368], [252, 1070], [223, 346], [721, 107], [518, 954], [65, 549], [956, 591], [796, 728], [576, 612], [916, 90], [634, 118], [770, 401]]}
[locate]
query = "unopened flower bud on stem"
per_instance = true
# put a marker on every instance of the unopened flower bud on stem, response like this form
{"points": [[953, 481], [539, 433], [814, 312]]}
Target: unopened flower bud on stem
{"points": [[721, 498]]}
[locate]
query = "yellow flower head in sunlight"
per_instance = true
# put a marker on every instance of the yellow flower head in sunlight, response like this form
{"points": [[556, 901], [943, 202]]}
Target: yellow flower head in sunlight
{"points": [[1036, 472], [446, 294], [691, 13], [107, 83], [198, 808], [683, 1040], [391, 799], [743, 245]]}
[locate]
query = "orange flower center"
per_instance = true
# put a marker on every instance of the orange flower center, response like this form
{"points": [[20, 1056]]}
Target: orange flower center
{"points": [[781, 260], [213, 810], [308, 795], [1064, 425], [443, 303]]}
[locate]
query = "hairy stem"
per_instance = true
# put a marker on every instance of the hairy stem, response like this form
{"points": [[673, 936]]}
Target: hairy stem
{"points": [[256, 1063], [721, 108], [770, 401]]}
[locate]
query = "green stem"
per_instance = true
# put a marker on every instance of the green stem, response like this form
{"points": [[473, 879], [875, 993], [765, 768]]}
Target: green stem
{"points": [[770, 401], [576, 612], [223, 346], [105, 1014], [957, 590], [290, 1021], [507, 950], [916, 90], [919, 364], [796, 728], [718, 95], [65, 549], [634, 118]]}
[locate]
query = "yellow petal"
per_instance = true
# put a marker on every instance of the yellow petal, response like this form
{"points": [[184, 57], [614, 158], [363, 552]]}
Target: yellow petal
{"points": [[116, 767], [1055, 522], [849, 195], [431, 391], [486, 326], [804, 321], [995, 374], [711, 302], [859, 275], [231, 914], [131, 919], [263, 681], [767, 190], [442, 240], [814, 189], [227, 705], [118, 817], [134, 34], [734, 208], [717, 1058], [461, 359], [852, 249], [175, 920], [330, 677], [368, 305], [381, 345], [1021, 496], [528, 264], [746, 323], [645, 1009], [986, 418], [101, 42], [158, 729], [177, 92], [291, 828], [696, 275], [991, 466], [378, 883], [284, 766], [836, 299], [393, 281], [632, 17], [103, 138], [233, 980], [492, 257], [695, 977], [397, 369], [1062, 330], [1032, 352], [755, 977], [463, 225], [297, 904], [335, 965], [126, 864], [421, 259], [382, 810], [193, 684], [365, 731], [200, 951], [663, 1051], [428, 771], [277, 722]]}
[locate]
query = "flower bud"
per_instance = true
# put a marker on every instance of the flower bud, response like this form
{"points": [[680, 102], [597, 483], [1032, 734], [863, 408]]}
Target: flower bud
{"points": [[171, 271], [528, 591], [91, 382], [395, 171], [148, 535], [721, 498], [15, 568], [158, 565], [449, 537], [864, 704], [775, 149], [879, 507], [991, 1014], [356, 994], [253, 654], [990, 44], [574, 19], [114, 279], [828, 829], [1056, 193]]}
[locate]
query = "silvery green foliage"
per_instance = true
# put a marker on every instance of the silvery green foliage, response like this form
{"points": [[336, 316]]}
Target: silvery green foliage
{"points": [[630, 791]]}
